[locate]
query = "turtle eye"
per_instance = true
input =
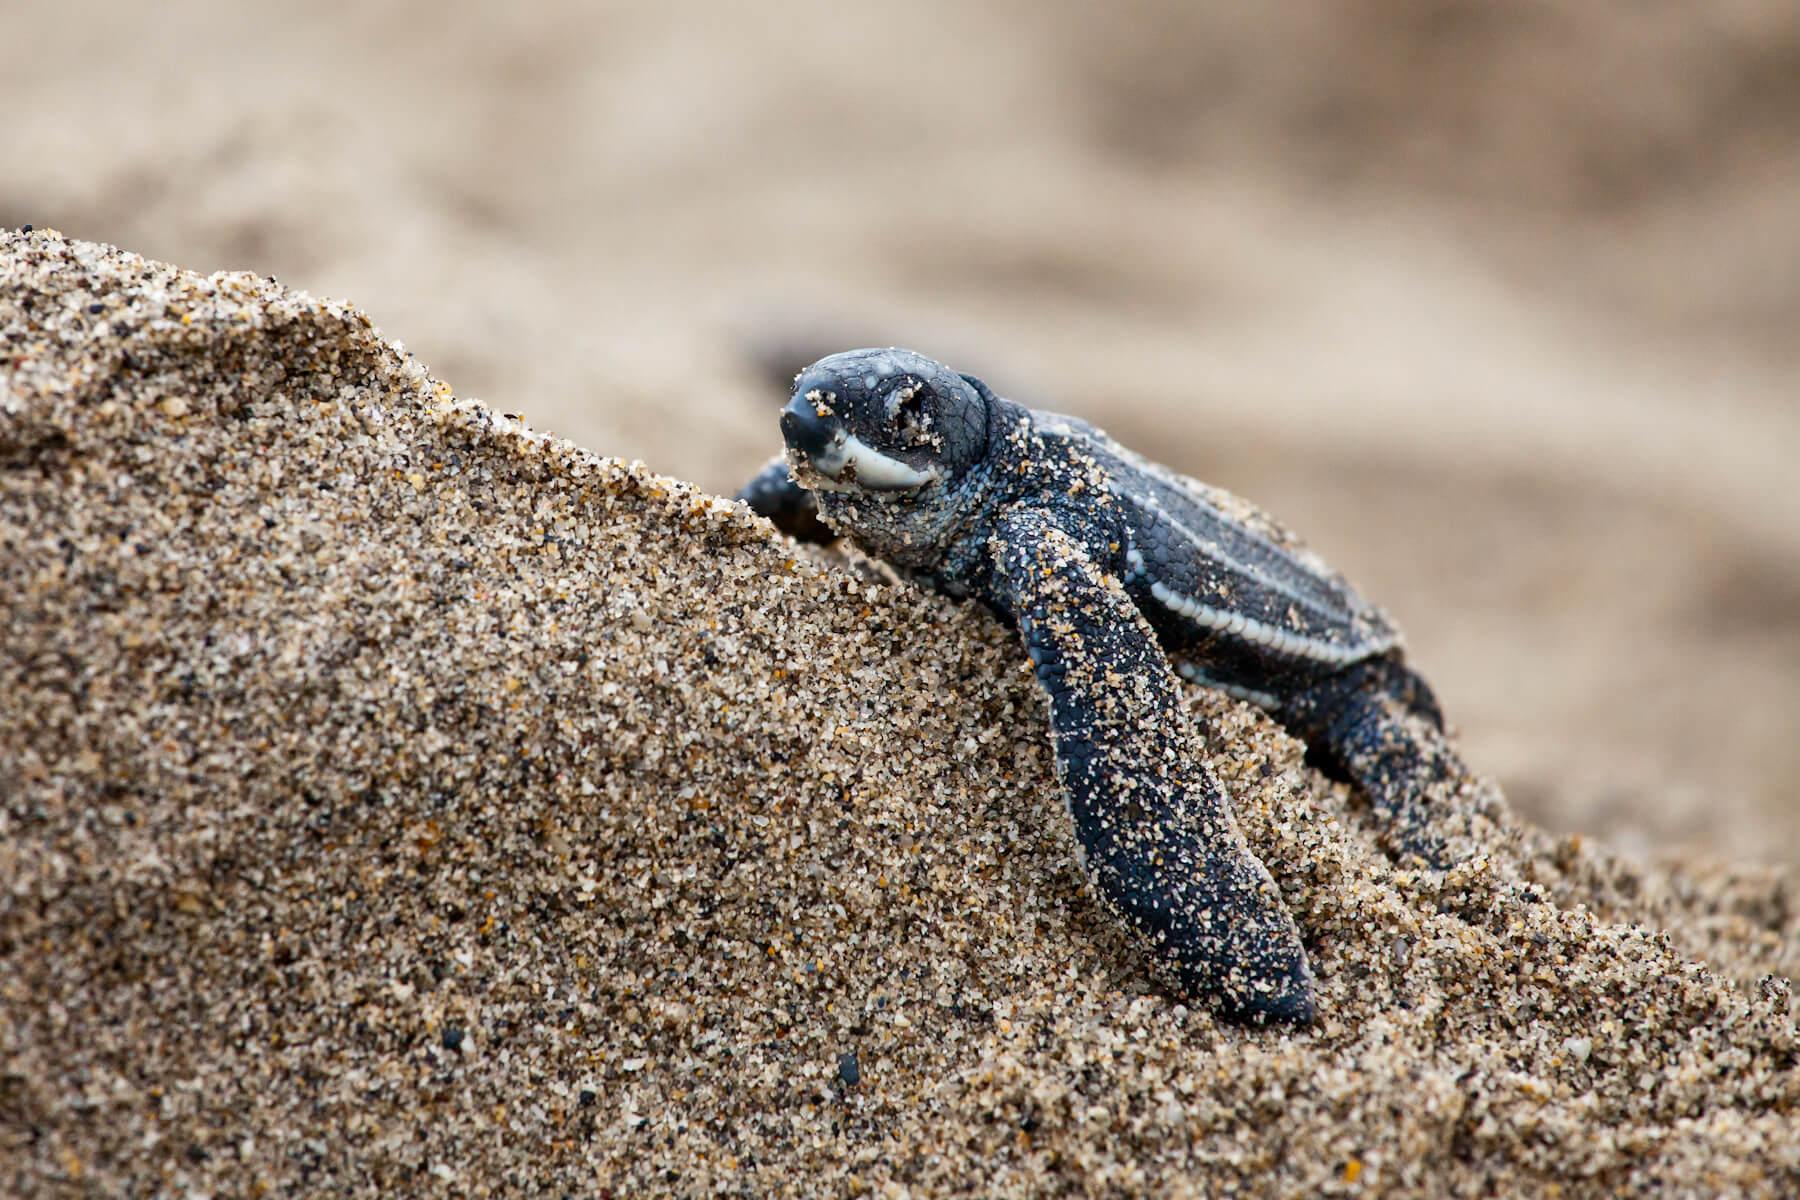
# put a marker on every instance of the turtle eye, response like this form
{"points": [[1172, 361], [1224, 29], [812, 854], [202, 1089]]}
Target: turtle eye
{"points": [[904, 399], [906, 409]]}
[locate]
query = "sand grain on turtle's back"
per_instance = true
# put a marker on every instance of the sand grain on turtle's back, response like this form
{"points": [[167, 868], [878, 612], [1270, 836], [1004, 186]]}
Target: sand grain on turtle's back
{"points": [[396, 800]]}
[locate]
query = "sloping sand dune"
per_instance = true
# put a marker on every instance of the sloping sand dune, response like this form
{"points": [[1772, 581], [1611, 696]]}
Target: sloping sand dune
{"points": [[395, 799]]}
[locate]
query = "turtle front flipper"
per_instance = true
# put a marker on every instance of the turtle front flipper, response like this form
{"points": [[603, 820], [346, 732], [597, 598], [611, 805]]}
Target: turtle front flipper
{"points": [[772, 493], [1155, 827]]}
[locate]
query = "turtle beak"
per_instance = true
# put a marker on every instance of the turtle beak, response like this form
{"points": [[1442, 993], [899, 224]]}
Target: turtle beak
{"points": [[809, 435], [826, 457], [815, 445]]}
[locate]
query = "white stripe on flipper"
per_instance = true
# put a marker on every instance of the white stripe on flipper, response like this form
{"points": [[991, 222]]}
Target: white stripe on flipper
{"points": [[1269, 637], [1193, 674]]}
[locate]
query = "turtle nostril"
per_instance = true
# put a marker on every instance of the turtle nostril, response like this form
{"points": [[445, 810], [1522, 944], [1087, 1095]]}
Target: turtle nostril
{"points": [[805, 432]]}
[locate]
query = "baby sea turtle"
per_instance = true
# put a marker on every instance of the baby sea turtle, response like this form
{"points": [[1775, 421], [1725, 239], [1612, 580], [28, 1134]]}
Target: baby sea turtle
{"points": [[1120, 574]]}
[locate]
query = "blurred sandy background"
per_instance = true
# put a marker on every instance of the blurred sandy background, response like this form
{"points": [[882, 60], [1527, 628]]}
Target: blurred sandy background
{"points": [[1497, 305]]}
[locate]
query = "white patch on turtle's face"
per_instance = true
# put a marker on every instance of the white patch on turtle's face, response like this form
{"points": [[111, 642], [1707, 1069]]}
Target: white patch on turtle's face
{"points": [[868, 469]]}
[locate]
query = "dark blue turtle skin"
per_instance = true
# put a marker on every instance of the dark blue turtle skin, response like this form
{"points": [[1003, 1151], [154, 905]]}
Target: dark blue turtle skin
{"points": [[1121, 575]]}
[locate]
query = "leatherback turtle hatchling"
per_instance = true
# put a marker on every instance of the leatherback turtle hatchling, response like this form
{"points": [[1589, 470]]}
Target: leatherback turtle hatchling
{"points": [[1115, 569]]}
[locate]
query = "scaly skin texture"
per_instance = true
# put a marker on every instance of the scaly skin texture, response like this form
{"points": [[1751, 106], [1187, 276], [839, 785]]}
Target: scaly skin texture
{"points": [[1118, 574]]}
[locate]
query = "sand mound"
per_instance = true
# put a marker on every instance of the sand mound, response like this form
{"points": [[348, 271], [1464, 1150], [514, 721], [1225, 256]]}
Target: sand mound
{"points": [[393, 799]]}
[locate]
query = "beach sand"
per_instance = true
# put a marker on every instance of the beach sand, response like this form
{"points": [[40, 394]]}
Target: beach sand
{"points": [[397, 800]]}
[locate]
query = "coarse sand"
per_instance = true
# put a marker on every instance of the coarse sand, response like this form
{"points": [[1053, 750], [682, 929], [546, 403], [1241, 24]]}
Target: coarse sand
{"points": [[397, 801]]}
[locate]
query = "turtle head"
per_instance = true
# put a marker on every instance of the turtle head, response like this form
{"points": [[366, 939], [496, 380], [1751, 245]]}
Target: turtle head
{"points": [[883, 421], [887, 441]]}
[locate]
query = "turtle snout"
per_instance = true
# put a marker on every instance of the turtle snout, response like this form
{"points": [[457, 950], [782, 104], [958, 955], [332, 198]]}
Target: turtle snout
{"points": [[805, 431]]}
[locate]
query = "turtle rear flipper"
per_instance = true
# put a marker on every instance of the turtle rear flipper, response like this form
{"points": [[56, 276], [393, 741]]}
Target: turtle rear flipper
{"points": [[1377, 725], [1155, 827]]}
